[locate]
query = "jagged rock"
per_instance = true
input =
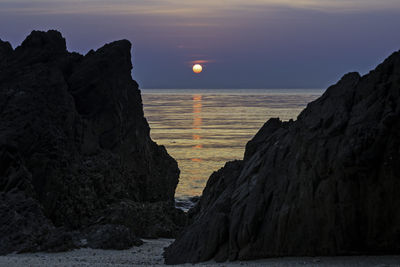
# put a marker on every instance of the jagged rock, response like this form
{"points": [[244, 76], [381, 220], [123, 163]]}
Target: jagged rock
{"points": [[326, 184], [110, 236], [147, 220], [23, 225], [74, 142]]}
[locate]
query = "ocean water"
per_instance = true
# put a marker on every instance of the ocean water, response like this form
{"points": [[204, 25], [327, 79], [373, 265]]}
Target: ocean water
{"points": [[203, 129]]}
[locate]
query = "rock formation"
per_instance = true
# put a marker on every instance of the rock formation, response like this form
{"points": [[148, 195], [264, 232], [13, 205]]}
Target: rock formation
{"points": [[76, 158], [325, 184]]}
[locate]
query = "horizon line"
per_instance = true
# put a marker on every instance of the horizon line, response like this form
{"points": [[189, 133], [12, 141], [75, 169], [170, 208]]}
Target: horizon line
{"points": [[202, 88]]}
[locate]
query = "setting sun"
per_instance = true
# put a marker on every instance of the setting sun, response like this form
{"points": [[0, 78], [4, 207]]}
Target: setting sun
{"points": [[197, 68]]}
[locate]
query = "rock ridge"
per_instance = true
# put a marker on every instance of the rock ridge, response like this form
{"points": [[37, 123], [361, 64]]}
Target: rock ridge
{"points": [[76, 157]]}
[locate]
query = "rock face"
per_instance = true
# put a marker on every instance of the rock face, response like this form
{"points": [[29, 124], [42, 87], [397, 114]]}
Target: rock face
{"points": [[75, 146], [326, 184]]}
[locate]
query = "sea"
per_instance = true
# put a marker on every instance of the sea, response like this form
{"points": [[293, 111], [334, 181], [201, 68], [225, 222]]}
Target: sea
{"points": [[205, 128]]}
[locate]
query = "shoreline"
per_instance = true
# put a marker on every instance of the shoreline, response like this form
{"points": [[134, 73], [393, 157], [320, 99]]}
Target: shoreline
{"points": [[150, 254]]}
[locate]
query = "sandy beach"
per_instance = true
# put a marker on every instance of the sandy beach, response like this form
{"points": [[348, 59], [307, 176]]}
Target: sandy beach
{"points": [[150, 254]]}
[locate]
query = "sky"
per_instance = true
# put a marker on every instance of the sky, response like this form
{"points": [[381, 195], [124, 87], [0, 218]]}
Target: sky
{"points": [[240, 43]]}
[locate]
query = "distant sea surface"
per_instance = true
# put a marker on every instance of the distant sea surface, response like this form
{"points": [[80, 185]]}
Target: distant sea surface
{"points": [[203, 129]]}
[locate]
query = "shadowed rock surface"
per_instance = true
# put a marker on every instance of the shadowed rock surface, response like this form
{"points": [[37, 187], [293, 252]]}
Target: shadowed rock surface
{"points": [[326, 184], [74, 147]]}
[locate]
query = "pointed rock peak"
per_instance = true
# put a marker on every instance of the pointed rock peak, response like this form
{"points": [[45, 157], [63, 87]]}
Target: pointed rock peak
{"points": [[391, 65], [393, 58], [123, 45], [344, 88], [51, 40], [350, 77], [117, 54], [5, 46], [5, 49]]}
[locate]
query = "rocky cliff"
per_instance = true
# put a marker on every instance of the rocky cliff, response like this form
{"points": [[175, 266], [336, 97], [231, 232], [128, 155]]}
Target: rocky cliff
{"points": [[325, 184], [76, 156]]}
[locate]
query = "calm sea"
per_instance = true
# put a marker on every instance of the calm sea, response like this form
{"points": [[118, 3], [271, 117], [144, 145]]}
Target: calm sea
{"points": [[203, 129]]}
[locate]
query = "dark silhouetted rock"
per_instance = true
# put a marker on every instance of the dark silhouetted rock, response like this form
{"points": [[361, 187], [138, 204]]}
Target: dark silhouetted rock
{"points": [[23, 224], [74, 144], [147, 220], [326, 184], [110, 236]]}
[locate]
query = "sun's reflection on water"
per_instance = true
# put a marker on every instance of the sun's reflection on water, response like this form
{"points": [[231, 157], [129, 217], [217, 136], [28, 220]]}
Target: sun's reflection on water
{"points": [[196, 125], [197, 106], [196, 137]]}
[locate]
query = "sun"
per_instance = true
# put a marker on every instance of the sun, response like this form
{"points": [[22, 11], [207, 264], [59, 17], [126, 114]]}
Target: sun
{"points": [[197, 68]]}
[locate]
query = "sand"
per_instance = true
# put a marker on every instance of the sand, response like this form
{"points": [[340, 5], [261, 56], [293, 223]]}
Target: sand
{"points": [[150, 254]]}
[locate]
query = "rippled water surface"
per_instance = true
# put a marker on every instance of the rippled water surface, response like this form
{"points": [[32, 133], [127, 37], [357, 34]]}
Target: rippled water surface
{"points": [[203, 129]]}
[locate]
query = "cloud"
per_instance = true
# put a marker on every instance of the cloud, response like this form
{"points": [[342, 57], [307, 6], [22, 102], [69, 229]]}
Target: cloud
{"points": [[186, 8], [201, 61], [331, 5]]}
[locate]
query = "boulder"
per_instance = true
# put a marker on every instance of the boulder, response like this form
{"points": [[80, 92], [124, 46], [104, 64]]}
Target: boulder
{"points": [[325, 184]]}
